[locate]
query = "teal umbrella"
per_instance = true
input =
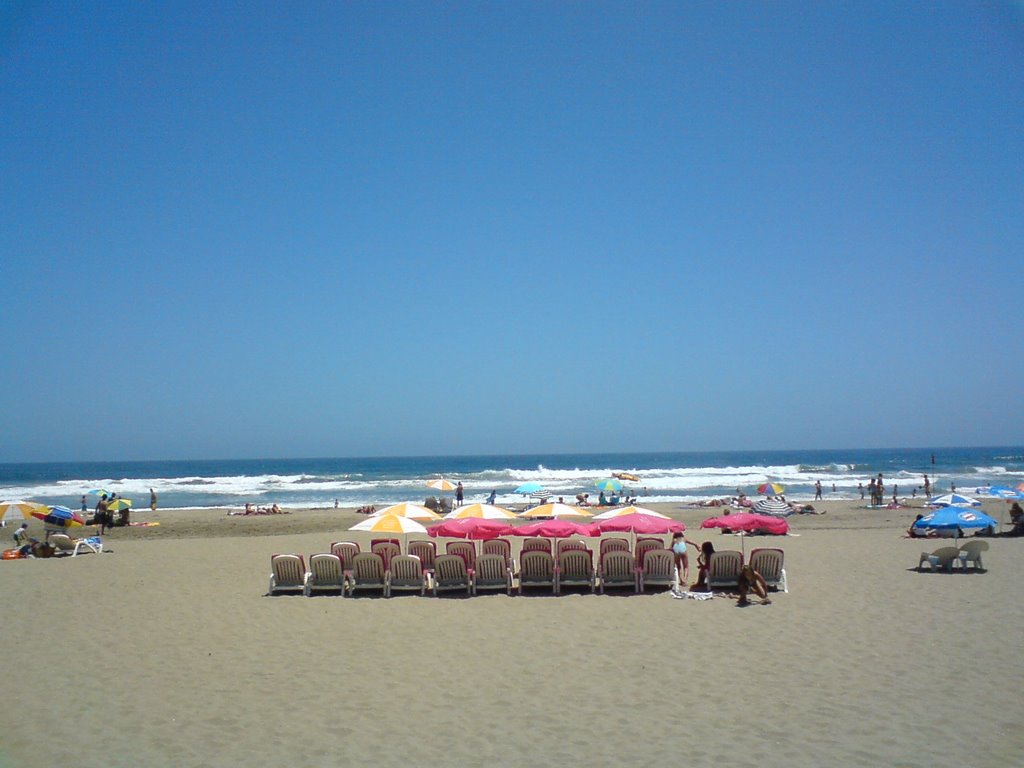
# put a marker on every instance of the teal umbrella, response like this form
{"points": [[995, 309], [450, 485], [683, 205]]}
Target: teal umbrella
{"points": [[608, 484]]}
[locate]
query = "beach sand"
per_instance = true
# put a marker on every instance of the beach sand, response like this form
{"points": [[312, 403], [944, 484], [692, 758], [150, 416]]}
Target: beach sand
{"points": [[164, 651]]}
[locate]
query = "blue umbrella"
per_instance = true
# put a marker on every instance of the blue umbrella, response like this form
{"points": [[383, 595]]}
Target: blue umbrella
{"points": [[1002, 492], [59, 517], [529, 488], [950, 518], [608, 484], [953, 499]]}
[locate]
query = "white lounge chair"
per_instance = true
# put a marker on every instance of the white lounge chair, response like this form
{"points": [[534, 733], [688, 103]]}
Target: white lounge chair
{"points": [[451, 575], [971, 553], [406, 575], [492, 573], [724, 569], [616, 569], [537, 569], [326, 574], [941, 559], [287, 574], [575, 569], [659, 570], [768, 562], [65, 545], [368, 573]]}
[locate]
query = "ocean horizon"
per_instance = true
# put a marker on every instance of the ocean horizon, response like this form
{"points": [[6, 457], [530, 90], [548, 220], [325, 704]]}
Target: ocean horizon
{"points": [[681, 476]]}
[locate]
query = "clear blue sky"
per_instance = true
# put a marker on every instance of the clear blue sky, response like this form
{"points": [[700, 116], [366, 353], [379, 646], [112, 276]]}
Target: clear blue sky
{"points": [[330, 229]]}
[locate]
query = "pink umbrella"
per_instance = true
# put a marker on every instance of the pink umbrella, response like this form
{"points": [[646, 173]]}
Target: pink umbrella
{"points": [[471, 528], [557, 529], [639, 523], [749, 522]]}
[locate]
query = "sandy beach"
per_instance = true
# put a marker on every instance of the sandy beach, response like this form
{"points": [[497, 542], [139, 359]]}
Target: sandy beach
{"points": [[165, 651]]}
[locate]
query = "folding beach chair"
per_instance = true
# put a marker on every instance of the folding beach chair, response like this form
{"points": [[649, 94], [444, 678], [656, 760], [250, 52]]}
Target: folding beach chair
{"points": [[287, 574], [492, 572], [326, 574], [368, 573], [537, 569], [616, 570], [575, 569], [724, 569], [768, 562], [450, 574], [658, 570]]}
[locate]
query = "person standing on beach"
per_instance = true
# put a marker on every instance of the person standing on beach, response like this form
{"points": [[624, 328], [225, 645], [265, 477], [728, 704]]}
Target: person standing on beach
{"points": [[817, 490], [459, 494], [152, 500], [927, 486], [101, 513], [860, 487]]}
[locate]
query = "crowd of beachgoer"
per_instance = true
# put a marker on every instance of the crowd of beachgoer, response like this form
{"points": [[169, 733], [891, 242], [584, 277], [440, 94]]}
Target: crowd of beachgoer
{"points": [[252, 509]]}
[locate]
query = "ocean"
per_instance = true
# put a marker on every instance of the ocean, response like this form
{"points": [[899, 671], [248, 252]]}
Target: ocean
{"points": [[663, 477]]}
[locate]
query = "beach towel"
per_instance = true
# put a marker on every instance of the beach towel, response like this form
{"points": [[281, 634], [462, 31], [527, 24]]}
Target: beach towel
{"points": [[680, 595]]}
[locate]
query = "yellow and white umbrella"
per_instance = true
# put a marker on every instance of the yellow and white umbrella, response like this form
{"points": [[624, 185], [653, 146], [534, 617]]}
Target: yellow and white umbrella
{"points": [[406, 509], [630, 511], [555, 510], [24, 508], [389, 524], [440, 484], [483, 511]]}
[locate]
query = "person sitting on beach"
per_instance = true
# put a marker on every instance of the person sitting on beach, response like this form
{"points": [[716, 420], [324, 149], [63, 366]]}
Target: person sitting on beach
{"points": [[601, 501], [582, 499], [682, 561], [249, 508], [707, 549], [494, 495], [752, 581], [275, 510], [1017, 518]]}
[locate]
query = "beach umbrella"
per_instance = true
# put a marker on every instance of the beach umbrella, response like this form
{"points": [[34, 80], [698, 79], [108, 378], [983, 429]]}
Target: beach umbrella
{"points": [[608, 484], [118, 504], [471, 528], [26, 509], [406, 509], [772, 507], [639, 523], [59, 517], [1002, 492], [440, 484], [955, 518], [953, 499], [484, 511], [557, 529], [555, 510], [748, 522], [771, 489], [529, 488], [389, 524], [99, 492], [630, 511]]}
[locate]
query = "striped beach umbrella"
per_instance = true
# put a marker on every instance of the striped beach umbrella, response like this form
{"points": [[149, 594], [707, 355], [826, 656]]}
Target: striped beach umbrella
{"points": [[630, 511], [59, 517], [953, 499], [771, 489], [608, 484], [440, 484], [407, 509], [482, 511], [555, 510], [389, 524], [24, 508], [772, 507]]}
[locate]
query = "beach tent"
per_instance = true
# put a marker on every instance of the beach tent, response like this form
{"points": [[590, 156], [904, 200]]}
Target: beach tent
{"points": [[749, 522]]}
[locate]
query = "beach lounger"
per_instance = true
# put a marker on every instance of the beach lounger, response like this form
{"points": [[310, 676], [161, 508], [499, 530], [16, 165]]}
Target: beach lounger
{"points": [[426, 551], [564, 545], [387, 550], [326, 574], [768, 561], [536, 544], [287, 574], [368, 573], [614, 544], [346, 550], [537, 569], [941, 559], [466, 550], [616, 570], [724, 569], [65, 545], [971, 553], [659, 570], [406, 575], [450, 574], [575, 569], [500, 547], [492, 572], [642, 547]]}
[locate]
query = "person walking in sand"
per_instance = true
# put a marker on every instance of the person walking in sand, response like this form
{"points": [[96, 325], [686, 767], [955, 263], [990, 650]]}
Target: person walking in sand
{"points": [[817, 490], [152, 500]]}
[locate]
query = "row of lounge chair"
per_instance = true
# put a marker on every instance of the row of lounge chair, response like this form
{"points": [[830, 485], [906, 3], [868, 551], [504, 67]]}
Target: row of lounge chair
{"points": [[346, 570], [944, 558]]}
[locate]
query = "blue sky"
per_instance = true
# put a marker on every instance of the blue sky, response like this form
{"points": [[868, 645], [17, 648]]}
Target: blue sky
{"points": [[333, 229]]}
